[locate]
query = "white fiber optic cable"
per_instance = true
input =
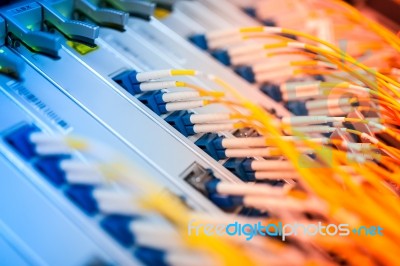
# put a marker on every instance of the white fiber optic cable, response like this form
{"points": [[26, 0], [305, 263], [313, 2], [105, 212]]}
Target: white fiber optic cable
{"points": [[178, 96], [53, 149], [327, 103], [247, 59], [271, 165], [273, 75], [245, 49], [218, 34], [177, 106], [74, 165], [205, 128], [309, 120], [311, 129], [338, 111], [253, 152], [273, 175], [46, 139], [209, 118], [157, 85], [84, 178], [244, 142], [156, 235], [152, 75], [116, 202], [249, 189]]}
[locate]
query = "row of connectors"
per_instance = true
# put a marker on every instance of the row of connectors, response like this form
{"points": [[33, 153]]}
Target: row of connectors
{"points": [[247, 73], [209, 143], [114, 209], [206, 183]]}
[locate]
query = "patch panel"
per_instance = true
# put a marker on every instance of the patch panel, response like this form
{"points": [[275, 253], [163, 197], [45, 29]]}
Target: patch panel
{"points": [[35, 98], [112, 96], [33, 113], [50, 167], [218, 200], [109, 54], [70, 61]]}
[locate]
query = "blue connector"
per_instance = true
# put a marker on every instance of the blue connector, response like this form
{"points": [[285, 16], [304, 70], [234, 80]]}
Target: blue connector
{"points": [[288, 35], [252, 212], [273, 91], [208, 144], [226, 202], [186, 119], [19, 140], [118, 227], [190, 130], [150, 100], [269, 22], [128, 81], [319, 78], [247, 165], [180, 120], [272, 182], [297, 108], [246, 72], [82, 195], [251, 11], [211, 186], [159, 97], [237, 167], [199, 40], [50, 167], [250, 176], [218, 143], [222, 56], [151, 256]]}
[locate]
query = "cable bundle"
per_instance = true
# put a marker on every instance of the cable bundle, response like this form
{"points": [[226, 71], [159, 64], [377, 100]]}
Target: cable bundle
{"points": [[328, 179]]}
